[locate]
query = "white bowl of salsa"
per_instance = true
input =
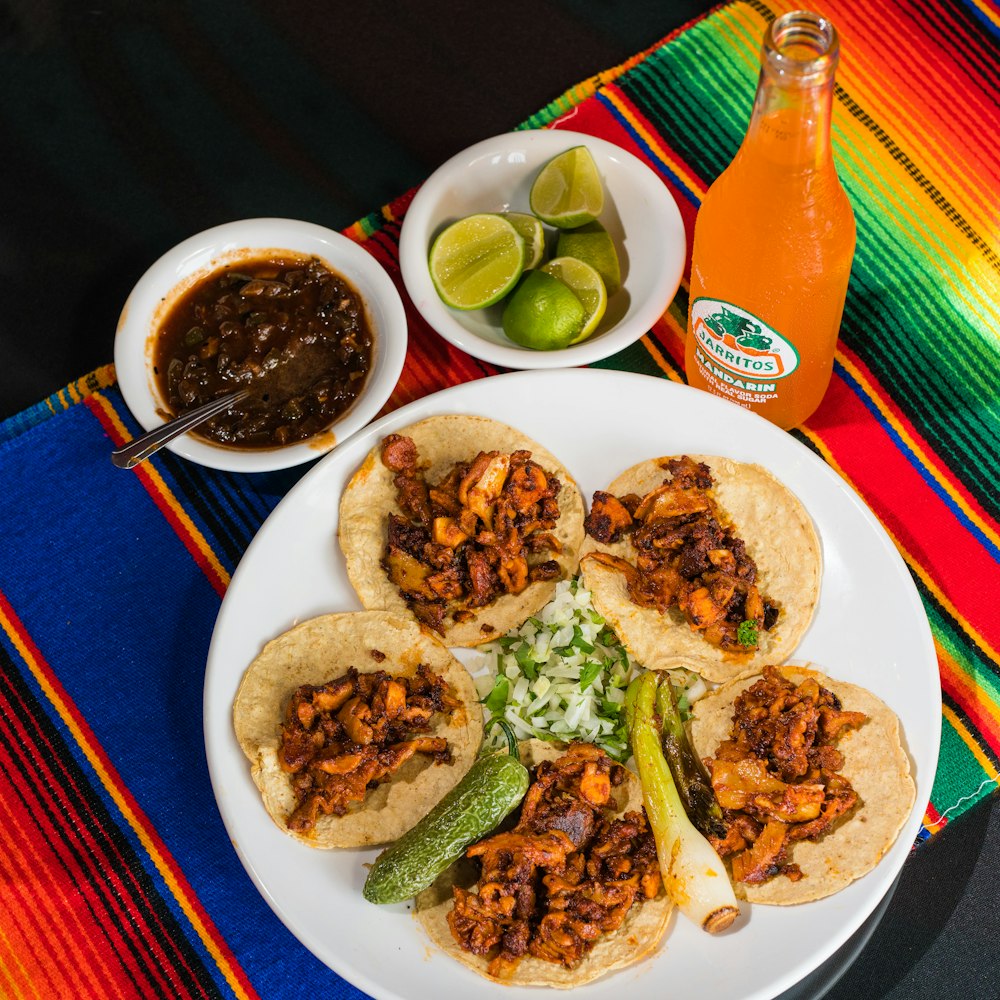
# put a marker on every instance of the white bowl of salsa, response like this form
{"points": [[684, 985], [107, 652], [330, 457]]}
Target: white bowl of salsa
{"points": [[300, 314]]}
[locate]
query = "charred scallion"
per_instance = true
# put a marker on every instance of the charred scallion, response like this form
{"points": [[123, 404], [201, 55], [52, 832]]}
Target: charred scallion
{"points": [[693, 875], [695, 791]]}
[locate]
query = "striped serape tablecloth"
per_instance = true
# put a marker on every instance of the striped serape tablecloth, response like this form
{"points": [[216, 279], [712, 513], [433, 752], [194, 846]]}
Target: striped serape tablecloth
{"points": [[116, 875]]}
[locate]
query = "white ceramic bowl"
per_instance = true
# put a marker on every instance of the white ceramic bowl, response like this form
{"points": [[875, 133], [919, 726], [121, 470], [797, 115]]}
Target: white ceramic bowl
{"points": [[496, 176], [199, 255]]}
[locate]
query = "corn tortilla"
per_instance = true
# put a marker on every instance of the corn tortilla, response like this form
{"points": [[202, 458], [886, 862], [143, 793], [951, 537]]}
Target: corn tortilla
{"points": [[442, 441], [639, 935], [780, 537], [875, 763], [319, 650]]}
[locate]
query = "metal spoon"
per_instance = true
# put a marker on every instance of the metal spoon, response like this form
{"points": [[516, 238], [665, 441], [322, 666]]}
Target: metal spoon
{"points": [[130, 455]]}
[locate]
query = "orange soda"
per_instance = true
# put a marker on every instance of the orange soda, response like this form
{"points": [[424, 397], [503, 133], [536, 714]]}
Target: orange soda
{"points": [[774, 240]]}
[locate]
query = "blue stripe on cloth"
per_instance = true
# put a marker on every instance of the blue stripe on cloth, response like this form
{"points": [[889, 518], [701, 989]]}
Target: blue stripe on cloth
{"points": [[637, 138], [129, 644], [982, 17]]}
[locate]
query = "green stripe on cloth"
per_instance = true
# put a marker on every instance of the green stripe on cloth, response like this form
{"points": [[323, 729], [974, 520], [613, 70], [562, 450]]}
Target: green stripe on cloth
{"points": [[963, 782]]}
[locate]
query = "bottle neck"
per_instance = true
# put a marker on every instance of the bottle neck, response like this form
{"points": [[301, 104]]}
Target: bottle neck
{"points": [[790, 124]]}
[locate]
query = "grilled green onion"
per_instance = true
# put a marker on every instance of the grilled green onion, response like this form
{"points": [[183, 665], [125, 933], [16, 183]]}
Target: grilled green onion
{"points": [[693, 875]]}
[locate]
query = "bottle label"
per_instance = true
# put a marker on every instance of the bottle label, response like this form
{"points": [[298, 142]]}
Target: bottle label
{"points": [[740, 349]]}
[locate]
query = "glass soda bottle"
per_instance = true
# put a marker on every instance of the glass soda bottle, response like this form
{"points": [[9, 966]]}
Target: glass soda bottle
{"points": [[774, 239]]}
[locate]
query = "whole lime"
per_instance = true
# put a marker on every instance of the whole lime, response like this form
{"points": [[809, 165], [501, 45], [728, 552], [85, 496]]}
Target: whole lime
{"points": [[543, 313]]}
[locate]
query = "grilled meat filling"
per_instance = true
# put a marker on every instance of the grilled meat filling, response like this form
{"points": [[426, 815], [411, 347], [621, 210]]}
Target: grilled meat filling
{"points": [[686, 556], [564, 875], [477, 534], [344, 737], [777, 777]]}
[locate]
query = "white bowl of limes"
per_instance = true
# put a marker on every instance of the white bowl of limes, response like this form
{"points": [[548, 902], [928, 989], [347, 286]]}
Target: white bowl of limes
{"points": [[542, 249]]}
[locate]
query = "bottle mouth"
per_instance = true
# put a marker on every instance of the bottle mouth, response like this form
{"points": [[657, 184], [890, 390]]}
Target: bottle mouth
{"points": [[801, 46]]}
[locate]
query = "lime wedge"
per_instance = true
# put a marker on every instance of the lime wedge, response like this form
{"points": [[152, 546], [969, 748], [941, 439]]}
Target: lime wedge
{"points": [[530, 230], [543, 313], [476, 261], [586, 284], [593, 244], [568, 191]]}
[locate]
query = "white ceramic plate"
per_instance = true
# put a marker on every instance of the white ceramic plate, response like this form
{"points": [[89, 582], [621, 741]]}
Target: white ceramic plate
{"points": [[495, 175], [203, 253], [870, 628]]}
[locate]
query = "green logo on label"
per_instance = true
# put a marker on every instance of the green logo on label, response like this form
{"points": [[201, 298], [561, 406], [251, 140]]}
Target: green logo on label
{"points": [[740, 343]]}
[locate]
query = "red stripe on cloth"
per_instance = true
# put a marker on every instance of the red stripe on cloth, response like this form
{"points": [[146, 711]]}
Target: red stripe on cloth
{"points": [[383, 245], [924, 82], [25, 937], [920, 521], [126, 802], [432, 363], [933, 820], [974, 703], [94, 873], [927, 455], [37, 901], [935, 67]]}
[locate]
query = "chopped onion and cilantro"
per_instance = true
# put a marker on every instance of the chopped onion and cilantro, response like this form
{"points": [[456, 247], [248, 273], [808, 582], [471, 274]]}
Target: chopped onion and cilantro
{"points": [[562, 676]]}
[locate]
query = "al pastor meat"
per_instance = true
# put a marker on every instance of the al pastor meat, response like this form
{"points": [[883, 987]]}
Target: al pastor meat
{"points": [[566, 874], [462, 524], [481, 531], [702, 562], [778, 777], [813, 778], [342, 738], [353, 724], [686, 556]]}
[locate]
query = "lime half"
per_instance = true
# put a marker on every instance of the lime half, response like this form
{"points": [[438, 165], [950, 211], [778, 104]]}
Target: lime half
{"points": [[476, 261], [593, 244], [586, 284], [530, 230], [543, 313], [568, 191]]}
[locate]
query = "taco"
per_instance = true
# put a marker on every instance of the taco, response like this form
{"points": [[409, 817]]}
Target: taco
{"points": [[355, 725], [702, 562], [580, 857], [463, 523], [813, 779]]}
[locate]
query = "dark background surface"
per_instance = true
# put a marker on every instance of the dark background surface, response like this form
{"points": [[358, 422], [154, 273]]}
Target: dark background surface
{"points": [[128, 127]]}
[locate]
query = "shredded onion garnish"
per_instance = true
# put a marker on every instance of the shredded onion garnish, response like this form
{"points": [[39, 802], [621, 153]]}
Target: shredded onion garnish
{"points": [[562, 676]]}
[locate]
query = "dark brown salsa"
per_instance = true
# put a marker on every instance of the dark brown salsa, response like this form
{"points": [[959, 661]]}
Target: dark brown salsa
{"points": [[285, 327]]}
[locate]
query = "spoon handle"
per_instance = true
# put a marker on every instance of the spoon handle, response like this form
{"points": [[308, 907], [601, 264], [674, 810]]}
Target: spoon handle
{"points": [[130, 455]]}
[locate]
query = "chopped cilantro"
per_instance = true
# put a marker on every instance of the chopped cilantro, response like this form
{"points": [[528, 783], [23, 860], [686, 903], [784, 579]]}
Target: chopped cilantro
{"points": [[497, 698], [746, 634], [578, 641], [588, 673], [528, 666]]}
